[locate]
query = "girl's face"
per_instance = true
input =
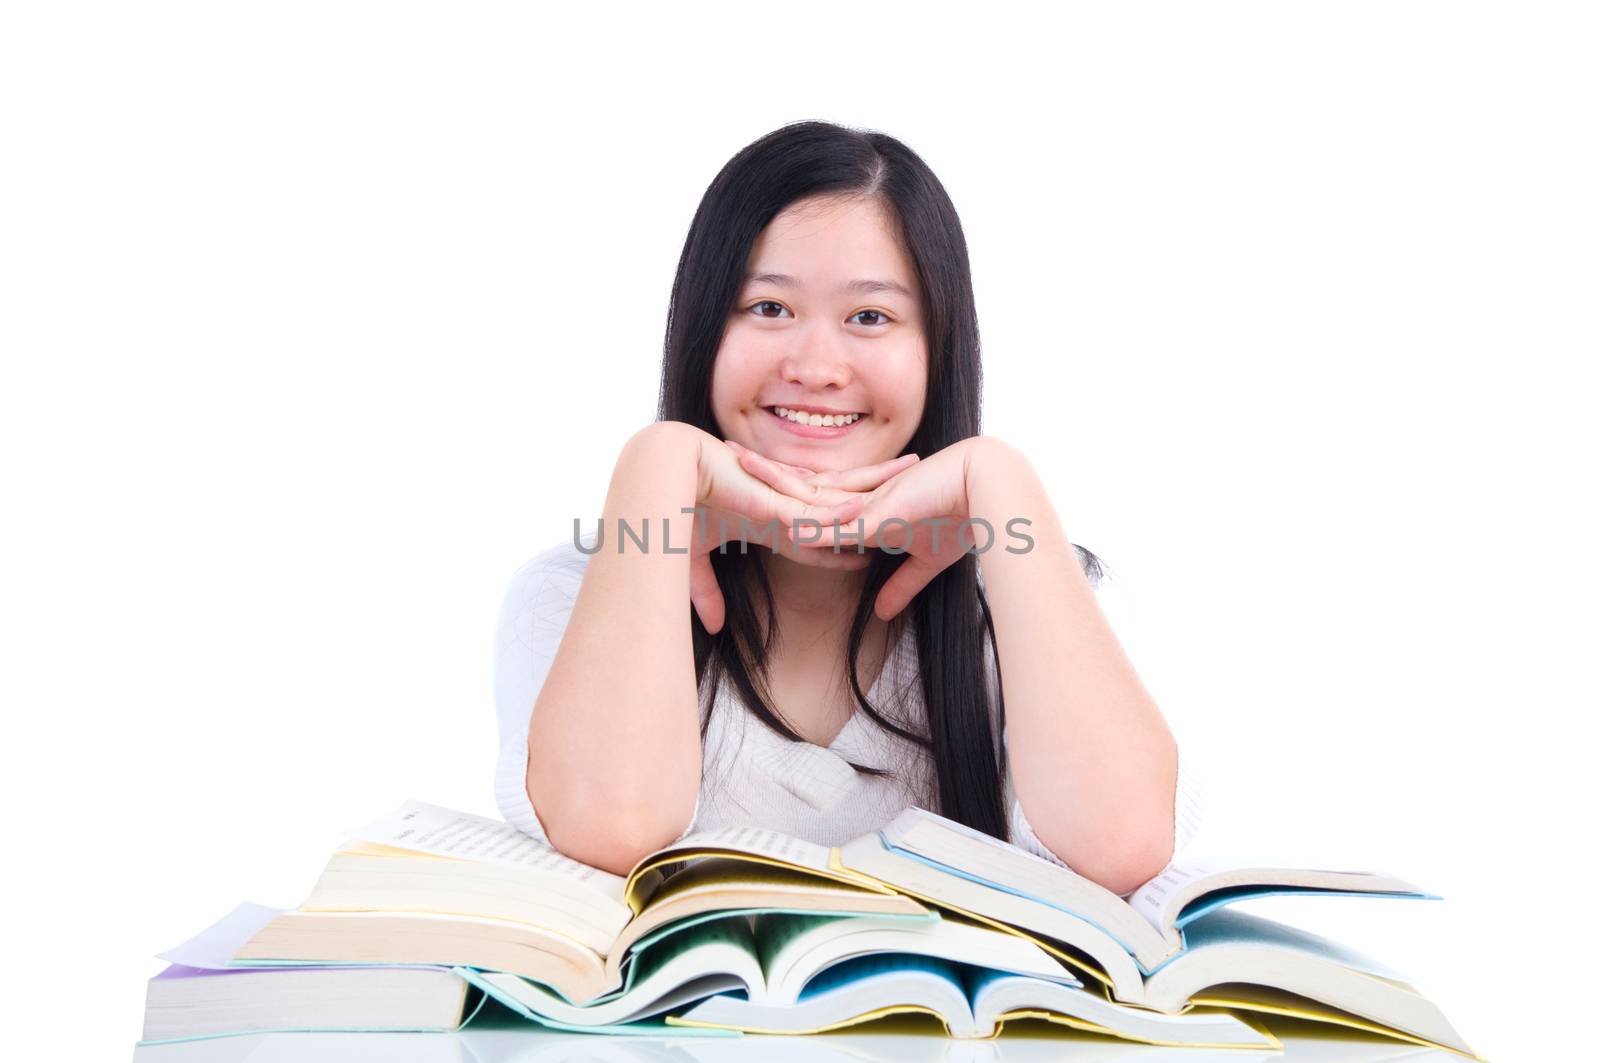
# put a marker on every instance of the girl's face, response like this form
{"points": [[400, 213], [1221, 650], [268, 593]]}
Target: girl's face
{"points": [[828, 324]]}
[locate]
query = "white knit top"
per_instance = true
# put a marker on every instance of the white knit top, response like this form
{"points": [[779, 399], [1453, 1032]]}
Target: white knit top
{"points": [[752, 776]]}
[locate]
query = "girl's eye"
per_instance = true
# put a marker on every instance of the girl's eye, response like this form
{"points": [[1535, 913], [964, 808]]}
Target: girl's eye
{"points": [[879, 318], [882, 318]]}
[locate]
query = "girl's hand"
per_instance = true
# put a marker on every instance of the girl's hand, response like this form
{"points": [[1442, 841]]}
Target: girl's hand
{"points": [[916, 512], [732, 505]]}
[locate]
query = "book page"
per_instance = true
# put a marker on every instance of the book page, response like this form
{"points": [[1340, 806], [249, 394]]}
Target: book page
{"points": [[1187, 891], [988, 859], [1230, 928], [213, 947], [1153, 899], [426, 828], [971, 854], [755, 841], [211, 951]]}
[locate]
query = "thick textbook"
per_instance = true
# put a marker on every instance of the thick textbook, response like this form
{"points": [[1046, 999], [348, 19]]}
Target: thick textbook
{"points": [[200, 994], [191, 1002], [434, 886]]}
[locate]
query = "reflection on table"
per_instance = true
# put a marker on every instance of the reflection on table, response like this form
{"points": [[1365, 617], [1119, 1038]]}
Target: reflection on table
{"points": [[503, 1038]]}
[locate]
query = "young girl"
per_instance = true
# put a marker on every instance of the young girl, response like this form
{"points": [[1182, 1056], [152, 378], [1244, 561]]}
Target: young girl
{"points": [[807, 637]]}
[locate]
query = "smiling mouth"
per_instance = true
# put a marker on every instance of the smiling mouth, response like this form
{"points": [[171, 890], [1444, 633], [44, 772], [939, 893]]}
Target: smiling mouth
{"points": [[814, 420]]}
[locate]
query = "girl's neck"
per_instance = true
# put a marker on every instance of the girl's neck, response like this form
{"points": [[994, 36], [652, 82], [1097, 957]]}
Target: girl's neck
{"points": [[813, 604], [809, 671]]}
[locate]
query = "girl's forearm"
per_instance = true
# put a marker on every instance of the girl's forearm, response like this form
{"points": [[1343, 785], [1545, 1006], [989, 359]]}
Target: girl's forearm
{"points": [[614, 742], [1094, 763]]}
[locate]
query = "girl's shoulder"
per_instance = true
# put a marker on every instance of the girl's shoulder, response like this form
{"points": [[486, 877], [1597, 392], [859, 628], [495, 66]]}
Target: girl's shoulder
{"points": [[541, 593], [563, 562]]}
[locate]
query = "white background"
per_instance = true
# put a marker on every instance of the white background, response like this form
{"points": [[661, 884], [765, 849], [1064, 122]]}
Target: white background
{"points": [[318, 320]]}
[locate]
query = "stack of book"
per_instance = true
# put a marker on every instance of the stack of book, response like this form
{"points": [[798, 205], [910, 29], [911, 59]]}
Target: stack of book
{"points": [[421, 917]]}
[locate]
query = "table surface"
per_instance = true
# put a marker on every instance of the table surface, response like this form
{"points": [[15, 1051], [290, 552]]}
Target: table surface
{"points": [[892, 1040]]}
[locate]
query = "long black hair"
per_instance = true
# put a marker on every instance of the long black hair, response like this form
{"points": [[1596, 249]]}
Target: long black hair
{"points": [[951, 615]]}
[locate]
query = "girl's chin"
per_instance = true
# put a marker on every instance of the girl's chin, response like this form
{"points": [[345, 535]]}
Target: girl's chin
{"points": [[848, 559]]}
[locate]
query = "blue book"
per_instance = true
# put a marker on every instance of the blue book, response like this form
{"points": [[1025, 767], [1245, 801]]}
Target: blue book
{"points": [[1149, 922], [971, 1002], [1169, 945]]}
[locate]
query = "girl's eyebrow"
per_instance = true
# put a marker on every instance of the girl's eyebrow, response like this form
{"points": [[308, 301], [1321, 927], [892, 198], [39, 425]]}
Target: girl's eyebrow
{"points": [[783, 280]]}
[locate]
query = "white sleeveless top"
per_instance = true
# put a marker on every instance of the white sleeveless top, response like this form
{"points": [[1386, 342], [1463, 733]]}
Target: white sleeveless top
{"points": [[751, 775]]}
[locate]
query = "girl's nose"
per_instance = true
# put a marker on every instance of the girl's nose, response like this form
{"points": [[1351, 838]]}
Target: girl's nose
{"points": [[816, 364]]}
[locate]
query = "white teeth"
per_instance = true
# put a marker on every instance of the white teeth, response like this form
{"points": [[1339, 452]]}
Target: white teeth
{"points": [[820, 420]]}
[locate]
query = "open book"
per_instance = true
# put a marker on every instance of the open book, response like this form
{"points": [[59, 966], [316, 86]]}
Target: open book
{"points": [[433, 886], [970, 1001], [466, 890], [1170, 945], [779, 961]]}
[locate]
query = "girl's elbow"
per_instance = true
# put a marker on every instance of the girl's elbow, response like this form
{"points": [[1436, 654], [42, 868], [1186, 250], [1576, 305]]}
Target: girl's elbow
{"points": [[616, 846], [612, 835], [1138, 856], [1123, 858]]}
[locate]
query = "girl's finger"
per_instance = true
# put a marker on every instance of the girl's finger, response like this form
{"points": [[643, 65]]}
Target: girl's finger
{"points": [[768, 471], [808, 519], [904, 584], [872, 529], [794, 470], [705, 595], [867, 477], [797, 470]]}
